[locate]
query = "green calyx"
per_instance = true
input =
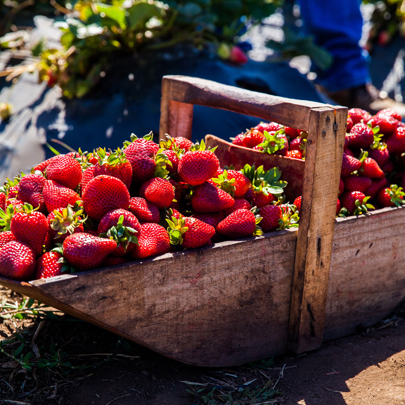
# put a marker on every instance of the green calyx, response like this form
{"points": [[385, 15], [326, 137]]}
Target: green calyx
{"points": [[224, 183], [147, 137], [67, 220], [396, 194], [272, 143], [123, 235], [266, 182], [176, 229], [362, 207], [289, 218], [5, 217], [162, 161], [200, 146], [169, 144], [67, 268], [377, 144], [258, 231], [115, 158], [8, 184]]}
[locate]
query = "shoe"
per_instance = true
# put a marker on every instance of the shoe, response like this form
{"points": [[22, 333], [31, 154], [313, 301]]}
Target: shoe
{"points": [[368, 98]]}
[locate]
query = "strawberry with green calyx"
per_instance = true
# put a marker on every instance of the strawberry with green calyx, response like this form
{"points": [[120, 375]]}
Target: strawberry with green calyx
{"points": [[396, 141], [85, 251], [17, 261], [65, 170], [5, 217], [253, 137], [292, 133], [369, 167], [238, 140], [176, 229], [57, 195], [224, 183], [113, 164], [271, 215], [269, 126], [299, 144], [52, 264], [379, 153], [158, 191], [355, 202], [86, 159], [153, 240], [375, 187], [65, 221], [392, 196], [209, 198], [274, 142], [289, 218], [103, 194], [360, 137], [30, 191], [385, 121], [166, 163], [122, 232], [11, 187], [240, 224], [349, 165], [144, 210], [198, 165], [179, 144], [377, 137]]}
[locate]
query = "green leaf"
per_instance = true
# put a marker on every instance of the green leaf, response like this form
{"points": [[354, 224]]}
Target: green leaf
{"points": [[115, 13], [139, 13], [19, 350]]}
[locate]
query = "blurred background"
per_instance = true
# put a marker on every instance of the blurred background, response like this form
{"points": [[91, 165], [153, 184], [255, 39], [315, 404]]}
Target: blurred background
{"points": [[88, 73]]}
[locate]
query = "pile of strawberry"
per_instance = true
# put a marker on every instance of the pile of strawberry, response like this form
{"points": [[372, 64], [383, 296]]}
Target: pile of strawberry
{"points": [[373, 166], [80, 211]]}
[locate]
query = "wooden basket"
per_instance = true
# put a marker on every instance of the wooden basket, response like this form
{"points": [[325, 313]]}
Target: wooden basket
{"points": [[236, 301]]}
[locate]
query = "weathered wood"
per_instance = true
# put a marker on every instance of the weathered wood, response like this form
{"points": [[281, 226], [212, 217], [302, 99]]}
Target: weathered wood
{"points": [[292, 169], [367, 275], [195, 91], [176, 117], [318, 209], [217, 306]]}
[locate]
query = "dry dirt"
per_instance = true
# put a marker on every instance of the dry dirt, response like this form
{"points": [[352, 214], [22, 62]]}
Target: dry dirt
{"points": [[91, 366]]}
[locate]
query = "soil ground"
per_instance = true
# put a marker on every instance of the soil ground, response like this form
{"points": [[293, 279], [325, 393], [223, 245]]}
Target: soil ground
{"points": [[86, 366]]}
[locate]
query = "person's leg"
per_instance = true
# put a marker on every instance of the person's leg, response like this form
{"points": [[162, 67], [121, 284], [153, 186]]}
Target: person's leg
{"points": [[336, 25]]}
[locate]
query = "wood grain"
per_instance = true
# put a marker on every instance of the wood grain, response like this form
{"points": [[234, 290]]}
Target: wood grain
{"points": [[292, 169], [318, 209], [195, 91]]}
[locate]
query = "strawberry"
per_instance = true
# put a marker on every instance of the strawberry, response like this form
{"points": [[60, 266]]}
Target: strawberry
{"points": [[292, 133], [385, 121], [188, 232], [269, 127], [238, 56], [2, 201], [297, 202], [260, 198], [153, 240], [375, 187], [391, 196], [295, 154], [58, 196], [114, 164], [396, 142], [349, 165], [43, 165], [341, 187], [208, 198], [196, 167], [381, 154], [241, 223], [65, 170], [212, 219], [30, 191], [49, 265], [183, 143], [17, 261], [274, 142], [88, 174], [388, 167], [86, 251], [238, 140], [173, 158], [104, 193], [144, 210], [357, 183], [253, 138], [62, 222], [158, 191], [358, 115], [240, 203], [242, 183], [6, 237], [271, 215], [355, 202], [298, 144], [30, 227], [349, 124], [360, 137], [369, 167]]}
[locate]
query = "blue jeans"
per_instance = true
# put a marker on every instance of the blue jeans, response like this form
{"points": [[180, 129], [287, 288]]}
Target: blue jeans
{"points": [[337, 25]]}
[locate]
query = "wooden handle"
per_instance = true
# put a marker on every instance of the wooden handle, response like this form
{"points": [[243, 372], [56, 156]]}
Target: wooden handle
{"points": [[180, 93]]}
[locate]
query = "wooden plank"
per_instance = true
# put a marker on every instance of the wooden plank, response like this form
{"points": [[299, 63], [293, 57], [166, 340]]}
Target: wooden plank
{"points": [[318, 211], [217, 306], [176, 118], [367, 276], [195, 91], [292, 169]]}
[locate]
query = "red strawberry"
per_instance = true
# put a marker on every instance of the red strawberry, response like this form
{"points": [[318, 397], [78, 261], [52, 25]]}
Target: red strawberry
{"points": [[2, 201], [6, 237], [43, 165], [48, 265], [396, 142], [65, 170], [88, 174], [297, 144], [121, 226], [103, 194], [242, 183], [295, 154], [391, 196], [240, 203], [357, 183], [58, 196], [350, 124], [271, 215], [292, 132], [388, 167], [348, 200], [182, 143], [269, 127], [208, 198], [152, 240], [197, 167], [212, 219], [253, 138], [30, 227], [349, 165], [375, 187], [238, 56], [341, 187], [238, 140], [239, 224], [360, 137], [381, 155], [114, 164], [260, 199], [17, 261], [144, 210], [174, 160], [30, 191], [371, 169], [158, 191], [385, 120], [198, 234], [62, 222], [358, 115], [86, 251]]}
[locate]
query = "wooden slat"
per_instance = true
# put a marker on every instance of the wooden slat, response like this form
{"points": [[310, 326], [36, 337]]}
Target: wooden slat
{"points": [[318, 210], [195, 91], [292, 169]]}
